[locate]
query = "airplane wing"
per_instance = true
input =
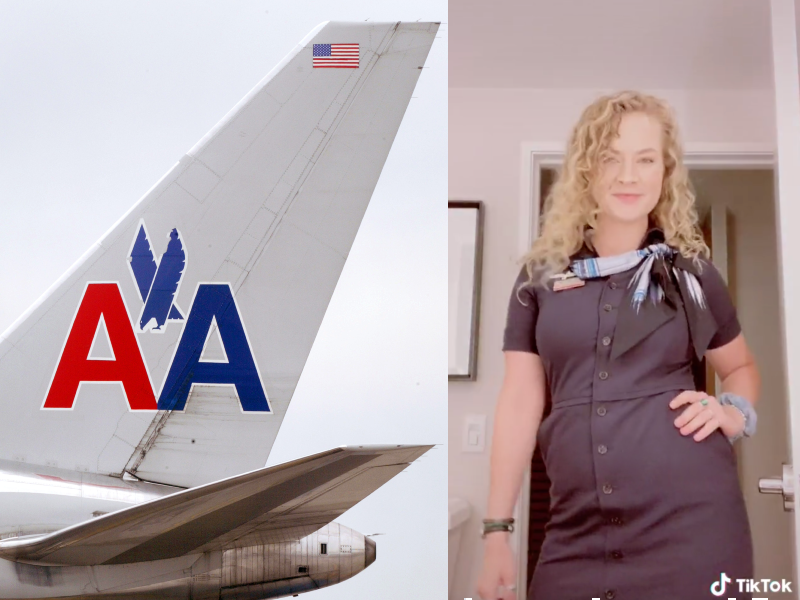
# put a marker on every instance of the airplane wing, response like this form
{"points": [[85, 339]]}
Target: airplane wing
{"points": [[239, 246], [270, 505]]}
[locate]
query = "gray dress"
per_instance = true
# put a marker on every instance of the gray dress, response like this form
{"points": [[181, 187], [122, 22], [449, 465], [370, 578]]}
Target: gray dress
{"points": [[638, 511]]}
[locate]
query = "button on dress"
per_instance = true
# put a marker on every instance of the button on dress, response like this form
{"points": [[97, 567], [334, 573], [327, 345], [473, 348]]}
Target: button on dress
{"points": [[638, 511]]}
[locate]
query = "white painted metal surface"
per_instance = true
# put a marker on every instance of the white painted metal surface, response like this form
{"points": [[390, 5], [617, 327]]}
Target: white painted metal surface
{"points": [[269, 202], [36, 500]]}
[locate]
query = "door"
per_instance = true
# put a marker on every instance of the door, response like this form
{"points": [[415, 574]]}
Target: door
{"points": [[778, 477]]}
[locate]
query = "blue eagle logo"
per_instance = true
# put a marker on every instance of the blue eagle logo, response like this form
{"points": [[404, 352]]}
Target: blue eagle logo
{"points": [[158, 280]]}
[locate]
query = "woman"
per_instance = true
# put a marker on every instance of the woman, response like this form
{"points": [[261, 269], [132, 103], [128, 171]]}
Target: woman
{"points": [[645, 498]]}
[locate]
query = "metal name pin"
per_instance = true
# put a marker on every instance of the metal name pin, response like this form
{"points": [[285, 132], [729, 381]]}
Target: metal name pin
{"points": [[567, 281], [562, 276]]}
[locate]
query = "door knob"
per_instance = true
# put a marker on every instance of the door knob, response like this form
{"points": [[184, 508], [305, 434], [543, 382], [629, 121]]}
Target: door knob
{"points": [[780, 485]]}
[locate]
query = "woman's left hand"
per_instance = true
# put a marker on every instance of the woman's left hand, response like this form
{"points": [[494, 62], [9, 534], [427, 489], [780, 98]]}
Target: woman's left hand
{"points": [[705, 418]]}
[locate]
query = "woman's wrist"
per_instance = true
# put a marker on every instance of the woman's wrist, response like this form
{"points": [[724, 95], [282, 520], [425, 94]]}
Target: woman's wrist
{"points": [[503, 525], [496, 538], [738, 417], [745, 407], [740, 420]]}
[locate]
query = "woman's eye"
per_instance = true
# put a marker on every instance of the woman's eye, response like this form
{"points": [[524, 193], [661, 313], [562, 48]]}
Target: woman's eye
{"points": [[648, 160]]}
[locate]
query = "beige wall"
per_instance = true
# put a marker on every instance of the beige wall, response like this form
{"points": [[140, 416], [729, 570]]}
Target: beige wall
{"points": [[486, 130]]}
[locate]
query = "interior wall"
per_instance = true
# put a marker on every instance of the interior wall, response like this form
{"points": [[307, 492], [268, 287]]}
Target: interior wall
{"points": [[486, 131], [749, 196]]}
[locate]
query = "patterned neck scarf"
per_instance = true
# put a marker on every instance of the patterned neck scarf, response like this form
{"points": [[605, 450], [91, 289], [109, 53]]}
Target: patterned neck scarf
{"points": [[643, 284], [664, 276]]}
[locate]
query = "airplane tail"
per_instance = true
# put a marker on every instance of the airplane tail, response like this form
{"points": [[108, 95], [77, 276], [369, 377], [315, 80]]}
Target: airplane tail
{"points": [[170, 351]]}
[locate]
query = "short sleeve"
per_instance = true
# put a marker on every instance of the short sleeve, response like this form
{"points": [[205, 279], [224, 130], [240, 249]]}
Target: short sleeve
{"points": [[523, 310], [719, 301]]}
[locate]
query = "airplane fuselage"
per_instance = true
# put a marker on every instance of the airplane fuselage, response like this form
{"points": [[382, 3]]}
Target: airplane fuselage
{"points": [[36, 500]]}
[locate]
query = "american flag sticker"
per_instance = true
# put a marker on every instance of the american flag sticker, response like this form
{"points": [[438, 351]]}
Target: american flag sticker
{"points": [[335, 56]]}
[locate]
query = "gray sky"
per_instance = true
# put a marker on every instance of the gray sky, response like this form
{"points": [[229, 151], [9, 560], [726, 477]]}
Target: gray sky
{"points": [[99, 99]]}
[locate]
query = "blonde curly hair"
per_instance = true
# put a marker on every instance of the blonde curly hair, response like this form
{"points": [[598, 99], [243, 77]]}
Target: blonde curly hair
{"points": [[570, 206]]}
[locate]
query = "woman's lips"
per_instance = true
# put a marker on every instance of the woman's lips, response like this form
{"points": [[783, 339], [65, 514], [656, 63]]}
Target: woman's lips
{"points": [[628, 197]]}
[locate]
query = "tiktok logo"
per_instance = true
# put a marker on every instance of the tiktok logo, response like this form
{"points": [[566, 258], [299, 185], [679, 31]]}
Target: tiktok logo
{"points": [[752, 585], [718, 587]]}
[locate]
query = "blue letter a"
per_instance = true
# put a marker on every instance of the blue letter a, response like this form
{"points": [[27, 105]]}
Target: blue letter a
{"points": [[213, 301]]}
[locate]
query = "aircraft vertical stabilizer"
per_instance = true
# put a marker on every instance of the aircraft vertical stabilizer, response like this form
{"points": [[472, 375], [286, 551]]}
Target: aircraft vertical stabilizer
{"points": [[240, 245]]}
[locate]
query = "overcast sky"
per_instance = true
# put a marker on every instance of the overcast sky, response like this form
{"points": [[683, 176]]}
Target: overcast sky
{"points": [[99, 99]]}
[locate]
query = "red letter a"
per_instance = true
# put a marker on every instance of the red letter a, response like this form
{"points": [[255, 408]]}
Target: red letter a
{"points": [[75, 365]]}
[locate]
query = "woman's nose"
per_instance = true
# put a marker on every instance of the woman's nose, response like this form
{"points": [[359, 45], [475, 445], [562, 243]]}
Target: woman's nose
{"points": [[627, 171]]}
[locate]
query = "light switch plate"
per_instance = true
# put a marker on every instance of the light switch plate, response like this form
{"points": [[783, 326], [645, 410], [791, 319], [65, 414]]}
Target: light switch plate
{"points": [[474, 437]]}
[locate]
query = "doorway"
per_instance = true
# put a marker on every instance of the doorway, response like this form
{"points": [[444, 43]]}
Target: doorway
{"points": [[736, 204]]}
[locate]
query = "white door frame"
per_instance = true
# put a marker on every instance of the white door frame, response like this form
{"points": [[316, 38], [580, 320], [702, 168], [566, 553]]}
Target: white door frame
{"points": [[536, 156]]}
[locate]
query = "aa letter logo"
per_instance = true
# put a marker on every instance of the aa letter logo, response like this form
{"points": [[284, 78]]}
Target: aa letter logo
{"points": [[102, 306]]}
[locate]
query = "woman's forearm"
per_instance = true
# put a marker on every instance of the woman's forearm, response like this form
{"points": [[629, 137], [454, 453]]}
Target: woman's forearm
{"points": [[517, 417], [744, 381]]}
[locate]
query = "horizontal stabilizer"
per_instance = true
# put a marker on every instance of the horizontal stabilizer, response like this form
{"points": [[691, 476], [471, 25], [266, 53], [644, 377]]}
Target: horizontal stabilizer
{"points": [[282, 503]]}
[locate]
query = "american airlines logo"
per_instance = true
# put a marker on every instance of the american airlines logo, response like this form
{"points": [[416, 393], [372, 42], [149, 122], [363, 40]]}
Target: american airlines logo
{"points": [[102, 305]]}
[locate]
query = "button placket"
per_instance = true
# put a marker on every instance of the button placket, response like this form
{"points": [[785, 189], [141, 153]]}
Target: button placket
{"points": [[602, 425], [608, 301]]}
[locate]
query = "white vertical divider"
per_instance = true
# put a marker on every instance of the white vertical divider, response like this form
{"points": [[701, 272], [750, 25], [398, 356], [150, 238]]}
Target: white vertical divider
{"points": [[787, 116]]}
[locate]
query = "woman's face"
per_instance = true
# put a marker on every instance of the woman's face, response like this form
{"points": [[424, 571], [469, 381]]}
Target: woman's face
{"points": [[630, 173]]}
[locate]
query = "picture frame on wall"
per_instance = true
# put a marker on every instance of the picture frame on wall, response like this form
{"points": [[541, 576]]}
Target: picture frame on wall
{"points": [[464, 258]]}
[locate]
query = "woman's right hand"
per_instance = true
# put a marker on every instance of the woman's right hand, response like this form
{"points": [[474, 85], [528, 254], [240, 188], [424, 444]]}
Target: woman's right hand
{"points": [[498, 576]]}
